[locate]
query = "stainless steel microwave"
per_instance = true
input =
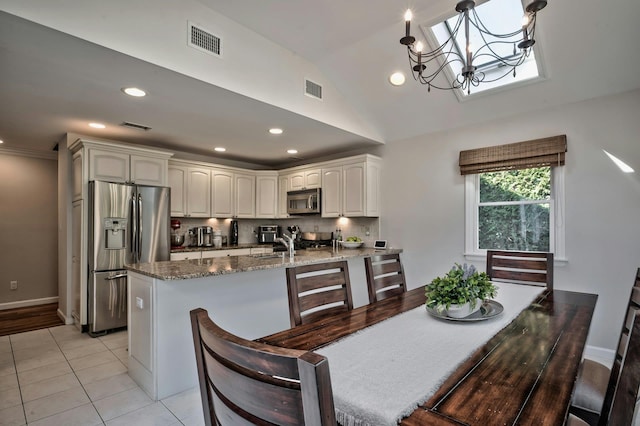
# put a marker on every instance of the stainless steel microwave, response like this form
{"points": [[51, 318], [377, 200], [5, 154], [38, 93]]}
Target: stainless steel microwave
{"points": [[306, 201]]}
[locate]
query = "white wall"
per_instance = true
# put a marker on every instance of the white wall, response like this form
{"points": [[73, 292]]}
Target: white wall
{"points": [[423, 199]]}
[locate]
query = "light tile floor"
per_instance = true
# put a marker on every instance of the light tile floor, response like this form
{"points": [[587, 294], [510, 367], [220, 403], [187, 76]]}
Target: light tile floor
{"points": [[59, 376]]}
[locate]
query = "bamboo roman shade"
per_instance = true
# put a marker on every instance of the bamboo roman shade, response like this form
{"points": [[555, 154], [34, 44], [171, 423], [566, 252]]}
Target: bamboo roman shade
{"points": [[521, 155]]}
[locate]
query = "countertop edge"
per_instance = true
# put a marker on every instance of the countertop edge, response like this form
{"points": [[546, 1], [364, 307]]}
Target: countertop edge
{"points": [[201, 268]]}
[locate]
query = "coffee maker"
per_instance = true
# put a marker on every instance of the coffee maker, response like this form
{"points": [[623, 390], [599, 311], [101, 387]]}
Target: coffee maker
{"points": [[204, 236]]}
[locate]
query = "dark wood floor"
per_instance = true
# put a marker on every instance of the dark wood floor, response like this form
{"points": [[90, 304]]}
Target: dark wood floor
{"points": [[30, 318]]}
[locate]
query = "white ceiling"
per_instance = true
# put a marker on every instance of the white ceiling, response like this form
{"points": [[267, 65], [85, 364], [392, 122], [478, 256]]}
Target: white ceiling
{"points": [[52, 83]]}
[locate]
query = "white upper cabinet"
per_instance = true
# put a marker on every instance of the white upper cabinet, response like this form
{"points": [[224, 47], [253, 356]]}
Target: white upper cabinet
{"points": [[148, 171], [283, 188], [117, 166], [245, 195], [351, 189], [332, 192], [233, 194], [305, 179], [266, 195], [221, 193], [190, 190]]}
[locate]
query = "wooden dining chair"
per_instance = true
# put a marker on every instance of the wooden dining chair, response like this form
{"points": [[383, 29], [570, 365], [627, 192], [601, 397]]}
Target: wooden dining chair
{"points": [[247, 383], [525, 267], [596, 386], [317, 290], [385, 276]]}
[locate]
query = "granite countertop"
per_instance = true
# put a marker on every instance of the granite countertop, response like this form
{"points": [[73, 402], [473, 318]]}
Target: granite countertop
{"points": [[198, 268], [182, 249]]}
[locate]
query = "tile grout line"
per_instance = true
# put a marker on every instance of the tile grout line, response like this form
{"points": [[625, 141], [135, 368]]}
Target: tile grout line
{"points": [[15, 370]]}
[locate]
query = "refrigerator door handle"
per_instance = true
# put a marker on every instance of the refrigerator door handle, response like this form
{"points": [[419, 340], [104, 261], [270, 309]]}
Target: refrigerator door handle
{"points": [[139, 249], [115, 277], [134, 228]]}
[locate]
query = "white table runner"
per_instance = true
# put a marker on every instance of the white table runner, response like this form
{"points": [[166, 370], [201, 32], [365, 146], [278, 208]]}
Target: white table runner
{"points": [[382, 373]]}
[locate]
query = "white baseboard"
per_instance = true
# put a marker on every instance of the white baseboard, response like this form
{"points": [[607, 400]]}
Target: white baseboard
{"points": [[603, 355], [26, 303], [64, 318]]}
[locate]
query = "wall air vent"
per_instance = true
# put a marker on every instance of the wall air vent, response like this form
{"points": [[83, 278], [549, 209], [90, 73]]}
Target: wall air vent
{"points": [[312, 89], [135, 126], [204, 41]]}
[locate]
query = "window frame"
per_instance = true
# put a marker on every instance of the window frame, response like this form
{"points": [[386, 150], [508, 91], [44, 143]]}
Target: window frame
{"points": [[556, 216]]}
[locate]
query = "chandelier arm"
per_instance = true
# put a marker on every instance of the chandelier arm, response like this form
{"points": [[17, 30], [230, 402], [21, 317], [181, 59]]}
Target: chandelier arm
{"points": [[481, 27]]}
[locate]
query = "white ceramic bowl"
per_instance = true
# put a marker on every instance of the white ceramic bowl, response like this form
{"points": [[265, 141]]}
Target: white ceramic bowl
{"points": [[350, 244]]}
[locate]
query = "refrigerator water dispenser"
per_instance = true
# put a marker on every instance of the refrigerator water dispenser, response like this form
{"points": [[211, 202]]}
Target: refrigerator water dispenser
{"points": [[115, 233]]}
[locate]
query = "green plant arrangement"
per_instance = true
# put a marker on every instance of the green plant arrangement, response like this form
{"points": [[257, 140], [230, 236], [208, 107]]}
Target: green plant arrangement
{"points": [[462, 284]]}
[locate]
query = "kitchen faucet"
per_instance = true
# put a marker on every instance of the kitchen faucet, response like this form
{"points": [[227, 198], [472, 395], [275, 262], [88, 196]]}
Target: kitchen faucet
{"points": [[288, 243]]}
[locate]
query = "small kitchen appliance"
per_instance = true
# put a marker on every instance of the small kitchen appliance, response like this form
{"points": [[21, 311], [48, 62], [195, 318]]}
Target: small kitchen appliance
{"points": [[205, 236], [233, 233], [268, 233]]}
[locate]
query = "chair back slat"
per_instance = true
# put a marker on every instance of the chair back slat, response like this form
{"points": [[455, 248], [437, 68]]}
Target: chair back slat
{"points": [[623, 387], [245, 382], [627, 354], [318, 290], [385, 276], [535, 268]]}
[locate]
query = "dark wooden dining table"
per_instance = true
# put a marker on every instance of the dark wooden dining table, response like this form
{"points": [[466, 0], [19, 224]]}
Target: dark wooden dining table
{"points": [[524, 375]]}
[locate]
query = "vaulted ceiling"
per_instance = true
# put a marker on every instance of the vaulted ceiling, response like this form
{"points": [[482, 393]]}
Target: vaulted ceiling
{"points": [[62, 64]]}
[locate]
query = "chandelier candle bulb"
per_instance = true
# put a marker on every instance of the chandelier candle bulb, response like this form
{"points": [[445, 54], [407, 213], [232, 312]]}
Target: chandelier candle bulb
{"points": [[407, 17]]}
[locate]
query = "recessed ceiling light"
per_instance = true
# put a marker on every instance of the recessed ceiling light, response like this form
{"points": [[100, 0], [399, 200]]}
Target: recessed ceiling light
{"points": [[1, 141], [397, 79], [292, 151], [219, 149], [621, 164], [275, 131], [97, 125], [134, 91]]}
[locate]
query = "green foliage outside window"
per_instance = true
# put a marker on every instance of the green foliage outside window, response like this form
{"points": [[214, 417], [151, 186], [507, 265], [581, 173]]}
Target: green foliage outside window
{"points": [[515, 226]]}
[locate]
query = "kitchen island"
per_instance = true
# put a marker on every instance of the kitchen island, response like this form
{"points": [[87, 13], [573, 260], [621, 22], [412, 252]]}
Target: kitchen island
{"points": [[246, 295]]}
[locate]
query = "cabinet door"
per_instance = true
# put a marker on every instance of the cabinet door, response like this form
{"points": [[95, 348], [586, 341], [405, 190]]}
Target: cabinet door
{"points": [[178, 184], [77, 176], [313, 178], [221, 193], [266, 196], [148, 171], [353, 198], [198, 192], [186, 255], [283, 188], [306, 179], [296, 181], [109, 166], [245, 195], [332, 192]]}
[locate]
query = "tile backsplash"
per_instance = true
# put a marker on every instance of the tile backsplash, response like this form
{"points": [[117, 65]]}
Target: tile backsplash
{"points": [[366, 228]]}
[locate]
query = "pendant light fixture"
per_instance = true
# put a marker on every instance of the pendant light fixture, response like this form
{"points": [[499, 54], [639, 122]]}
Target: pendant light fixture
{"points": [[427, 65]]}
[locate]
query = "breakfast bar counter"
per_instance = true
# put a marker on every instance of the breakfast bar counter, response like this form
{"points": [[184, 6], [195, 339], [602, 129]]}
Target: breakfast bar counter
{"points": [[246, 295], [199, 268]]}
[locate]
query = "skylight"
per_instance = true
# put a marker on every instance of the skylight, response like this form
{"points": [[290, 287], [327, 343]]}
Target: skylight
{"points": [[499, 16]]}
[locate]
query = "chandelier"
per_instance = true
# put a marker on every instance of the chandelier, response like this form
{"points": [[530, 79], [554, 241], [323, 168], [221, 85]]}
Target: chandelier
{"points": [[449, 55]]}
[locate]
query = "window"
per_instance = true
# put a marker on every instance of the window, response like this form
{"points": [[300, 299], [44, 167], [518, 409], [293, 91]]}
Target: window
{"points": [[511, 207]]}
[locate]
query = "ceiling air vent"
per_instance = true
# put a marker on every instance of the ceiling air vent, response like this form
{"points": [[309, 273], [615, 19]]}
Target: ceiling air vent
{"points": [[313, 89], [136, 126], [204, 41]]}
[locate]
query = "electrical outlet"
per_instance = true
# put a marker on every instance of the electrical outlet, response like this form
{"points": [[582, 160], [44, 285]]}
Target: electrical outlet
{"points": [[13, 285], [315, 228]]}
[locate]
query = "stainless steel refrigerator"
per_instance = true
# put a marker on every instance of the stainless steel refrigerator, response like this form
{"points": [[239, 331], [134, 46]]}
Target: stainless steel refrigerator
{"points": [[127, 224]]}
